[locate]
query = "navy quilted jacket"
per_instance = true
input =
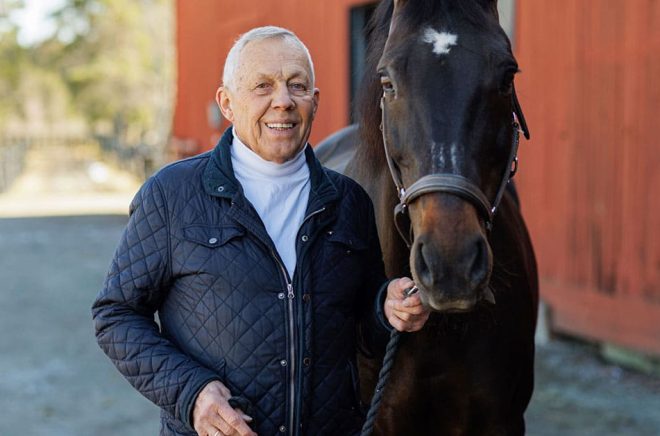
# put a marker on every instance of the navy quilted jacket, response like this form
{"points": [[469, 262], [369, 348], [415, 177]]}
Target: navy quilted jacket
{"points": [[196, 252]]}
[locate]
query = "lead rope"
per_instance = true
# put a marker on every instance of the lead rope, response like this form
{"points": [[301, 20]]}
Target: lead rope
{"points": [[384, 375]]}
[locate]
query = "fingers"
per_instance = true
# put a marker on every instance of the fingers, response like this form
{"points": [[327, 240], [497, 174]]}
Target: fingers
{"points": [[404, 314], [412, 305], [407, 326], [212, 413], [401, 284], [232, 422], [229, 423]]}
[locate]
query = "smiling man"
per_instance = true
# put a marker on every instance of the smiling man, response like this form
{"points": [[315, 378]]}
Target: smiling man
{"points": [[268, 94], [263, 266]]}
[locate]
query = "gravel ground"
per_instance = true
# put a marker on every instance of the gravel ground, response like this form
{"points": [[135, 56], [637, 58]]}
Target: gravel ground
{"points": [[579, 394], [55, 380]]}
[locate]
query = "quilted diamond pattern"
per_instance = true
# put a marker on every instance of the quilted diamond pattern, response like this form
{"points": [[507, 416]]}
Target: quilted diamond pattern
{"points": [[200, 258]]}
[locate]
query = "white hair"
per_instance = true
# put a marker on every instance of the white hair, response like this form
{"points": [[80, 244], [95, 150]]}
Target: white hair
{"points": [[258, 34]]}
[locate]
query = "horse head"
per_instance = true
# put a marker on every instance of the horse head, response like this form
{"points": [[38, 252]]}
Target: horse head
{"points": [[450, 136]]}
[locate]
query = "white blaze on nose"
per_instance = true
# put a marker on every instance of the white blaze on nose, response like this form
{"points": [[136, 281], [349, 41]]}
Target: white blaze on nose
{"points": [[453, 155], [442, 41]]}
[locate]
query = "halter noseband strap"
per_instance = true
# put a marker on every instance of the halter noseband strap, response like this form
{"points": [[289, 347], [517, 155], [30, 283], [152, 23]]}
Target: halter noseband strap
{"points": [[450, 183]]}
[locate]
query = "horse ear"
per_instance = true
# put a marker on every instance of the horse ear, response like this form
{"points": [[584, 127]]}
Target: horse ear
{"points": [[491, 6], [396, 12]]}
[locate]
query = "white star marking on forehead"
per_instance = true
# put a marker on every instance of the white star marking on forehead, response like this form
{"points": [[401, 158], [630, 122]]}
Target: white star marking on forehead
{"points": [[442, 41]]}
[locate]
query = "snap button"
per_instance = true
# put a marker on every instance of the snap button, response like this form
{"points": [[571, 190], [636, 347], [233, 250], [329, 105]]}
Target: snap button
{"points": [[348, 251], [306, 298], [283, 362], [307, 361], [281, 295], [330, 232], [282, 429], [220, 188], [213, 240], [304, 238]]}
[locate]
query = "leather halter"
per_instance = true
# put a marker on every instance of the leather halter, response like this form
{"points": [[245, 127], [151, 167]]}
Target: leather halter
{"points": [[451, 183]]}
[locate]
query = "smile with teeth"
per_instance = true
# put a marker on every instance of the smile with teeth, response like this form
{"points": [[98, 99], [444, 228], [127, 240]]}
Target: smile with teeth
{"points": [[280, 126]]}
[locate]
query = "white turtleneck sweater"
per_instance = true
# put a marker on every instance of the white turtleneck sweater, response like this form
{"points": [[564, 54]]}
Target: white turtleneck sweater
{"points": [[279, 193]]}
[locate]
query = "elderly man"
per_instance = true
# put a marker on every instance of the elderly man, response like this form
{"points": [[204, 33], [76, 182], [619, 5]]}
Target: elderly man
{"points": [[264, 269]]}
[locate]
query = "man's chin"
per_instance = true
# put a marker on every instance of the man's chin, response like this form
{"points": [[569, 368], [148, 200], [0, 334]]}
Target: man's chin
{"points": [[283, 154], [284, 151]]}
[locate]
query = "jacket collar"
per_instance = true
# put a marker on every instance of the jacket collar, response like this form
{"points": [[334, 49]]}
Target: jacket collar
{"points": [[219, 179]]}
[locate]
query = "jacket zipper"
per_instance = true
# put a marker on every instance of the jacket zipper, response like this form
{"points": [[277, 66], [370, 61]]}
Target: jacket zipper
{"points": [[292, 349], [292, 352]]}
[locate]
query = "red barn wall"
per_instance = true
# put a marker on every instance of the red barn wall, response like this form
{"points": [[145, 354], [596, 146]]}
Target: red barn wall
{"points": [[206, 29], [590, 177]]}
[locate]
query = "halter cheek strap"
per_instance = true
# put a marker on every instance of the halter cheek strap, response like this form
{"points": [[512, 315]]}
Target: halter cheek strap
{"points": [[449, 183]]}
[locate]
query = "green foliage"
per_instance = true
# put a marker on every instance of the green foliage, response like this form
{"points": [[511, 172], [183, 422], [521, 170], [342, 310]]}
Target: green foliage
{"points": [[110, 62]]}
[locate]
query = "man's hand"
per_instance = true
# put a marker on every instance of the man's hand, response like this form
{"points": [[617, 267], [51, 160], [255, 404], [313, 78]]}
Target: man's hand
{"points": [[405, 314], [213, 416]]}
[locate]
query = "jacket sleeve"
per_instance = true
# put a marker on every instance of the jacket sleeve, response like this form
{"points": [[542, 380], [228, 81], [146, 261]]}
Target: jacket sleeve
{"points": [[123, 312], [374, 329]]}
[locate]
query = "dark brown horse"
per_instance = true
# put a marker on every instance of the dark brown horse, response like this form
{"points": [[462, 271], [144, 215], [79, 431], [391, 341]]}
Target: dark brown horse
{"points": [[442, 72]]}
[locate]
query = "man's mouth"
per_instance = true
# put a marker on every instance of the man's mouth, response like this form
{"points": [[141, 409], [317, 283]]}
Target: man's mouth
{"points": [[280, 126]]}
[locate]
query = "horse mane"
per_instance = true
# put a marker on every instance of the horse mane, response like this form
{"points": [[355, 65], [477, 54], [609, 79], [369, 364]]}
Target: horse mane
{"points": [[415, 13]]}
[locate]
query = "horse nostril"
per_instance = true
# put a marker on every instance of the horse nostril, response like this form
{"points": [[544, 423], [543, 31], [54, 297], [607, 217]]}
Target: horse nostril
{"points": [[479, 268], [424, 273]]}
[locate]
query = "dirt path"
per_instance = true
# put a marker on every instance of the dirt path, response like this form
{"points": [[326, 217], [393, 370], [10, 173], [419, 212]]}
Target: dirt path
{"points": [[578, 394], [54, 379], [68, 180]]}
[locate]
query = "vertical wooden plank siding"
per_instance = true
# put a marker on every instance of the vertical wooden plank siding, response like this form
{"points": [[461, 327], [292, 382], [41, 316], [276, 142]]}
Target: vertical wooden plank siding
{"points": [[589, 179], [206, 29]]}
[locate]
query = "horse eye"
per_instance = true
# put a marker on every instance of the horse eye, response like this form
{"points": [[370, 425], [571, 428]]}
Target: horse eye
{"points": [[506, 86], [387, 85]]}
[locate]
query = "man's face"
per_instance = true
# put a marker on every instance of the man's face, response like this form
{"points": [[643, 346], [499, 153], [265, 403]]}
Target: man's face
{"points": [[272, 101]]}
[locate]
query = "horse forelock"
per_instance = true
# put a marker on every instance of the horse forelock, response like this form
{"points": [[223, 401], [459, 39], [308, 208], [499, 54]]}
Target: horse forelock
{"points": [[478, 13]]}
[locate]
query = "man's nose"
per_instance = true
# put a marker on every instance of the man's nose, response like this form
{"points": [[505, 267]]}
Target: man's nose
{"points": [[282, 98]]}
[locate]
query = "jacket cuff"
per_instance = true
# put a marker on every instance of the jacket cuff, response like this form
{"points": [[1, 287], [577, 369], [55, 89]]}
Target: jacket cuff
{"points": [[380, 307], [189, 396]]}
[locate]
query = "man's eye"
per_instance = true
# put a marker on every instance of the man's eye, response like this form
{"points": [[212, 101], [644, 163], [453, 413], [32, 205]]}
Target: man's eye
{"points": [[262, 86], [298, 86]]}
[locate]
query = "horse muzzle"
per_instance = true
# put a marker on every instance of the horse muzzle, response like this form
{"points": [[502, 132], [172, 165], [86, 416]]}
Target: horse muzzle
{"points": [[450, 258]]}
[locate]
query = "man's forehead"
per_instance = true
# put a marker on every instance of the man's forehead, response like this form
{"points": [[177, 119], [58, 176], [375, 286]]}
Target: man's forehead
{"points": [[263, 55]]}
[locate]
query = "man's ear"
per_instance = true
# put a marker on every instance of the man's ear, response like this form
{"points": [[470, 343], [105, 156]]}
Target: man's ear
{"points": [[223, 98], [316, 97]]}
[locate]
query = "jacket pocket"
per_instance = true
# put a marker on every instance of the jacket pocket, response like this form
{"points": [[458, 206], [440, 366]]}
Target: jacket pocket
{"points": [[343, 262], [211, 236], [346, 240]]}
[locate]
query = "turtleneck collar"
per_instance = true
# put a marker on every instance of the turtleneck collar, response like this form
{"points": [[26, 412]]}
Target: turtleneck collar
{"points": [[247, 161]]}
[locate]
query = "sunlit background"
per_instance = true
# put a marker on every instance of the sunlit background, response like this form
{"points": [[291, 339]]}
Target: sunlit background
{"points": [[86, 98], [86, 102]]}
